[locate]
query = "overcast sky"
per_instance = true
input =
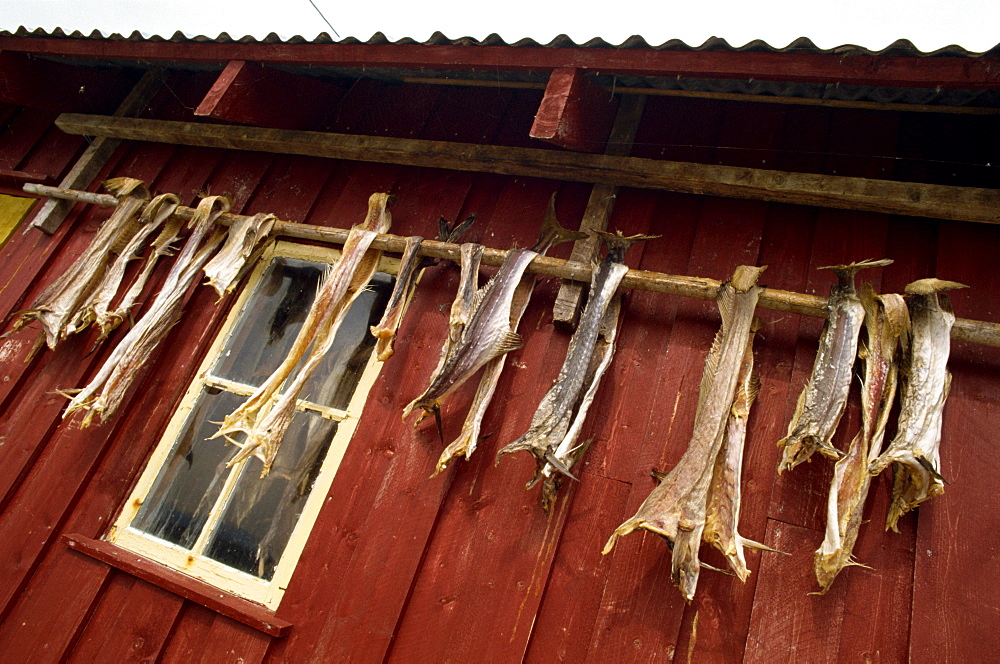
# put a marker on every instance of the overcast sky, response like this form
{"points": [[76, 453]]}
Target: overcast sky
{"points": [[930, 24]]}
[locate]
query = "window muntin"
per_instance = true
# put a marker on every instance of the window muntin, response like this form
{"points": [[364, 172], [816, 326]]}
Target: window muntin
{"points": [[229, 527]]}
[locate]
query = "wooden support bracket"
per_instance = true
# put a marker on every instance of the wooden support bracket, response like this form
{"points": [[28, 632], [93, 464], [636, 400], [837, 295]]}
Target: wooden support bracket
{"points": [[54, 211], [566, 310], [575, 113], [250, 93]]}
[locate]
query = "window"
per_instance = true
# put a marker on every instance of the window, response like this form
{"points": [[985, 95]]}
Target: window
{"points": [[227, 526]]}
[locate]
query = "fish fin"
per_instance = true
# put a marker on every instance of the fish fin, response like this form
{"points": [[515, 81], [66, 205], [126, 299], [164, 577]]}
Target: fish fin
{"points": [[929, 467], [657, 475], [716, 569], [560, 466], [511, 341], [751, 544]]}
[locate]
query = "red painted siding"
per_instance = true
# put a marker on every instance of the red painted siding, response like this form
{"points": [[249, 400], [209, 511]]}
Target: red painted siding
{"points": [[466, 565]]}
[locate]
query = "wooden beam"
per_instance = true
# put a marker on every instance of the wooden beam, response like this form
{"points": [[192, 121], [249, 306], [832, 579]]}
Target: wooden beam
{"points": [[54, 212], [721, 96], [55, 86], [575, 113], [851, 193], [973, 331], [566, 310], [250, 93], [841, 67]]}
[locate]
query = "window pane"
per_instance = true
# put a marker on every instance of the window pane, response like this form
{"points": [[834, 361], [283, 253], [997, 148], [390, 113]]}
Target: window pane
{"points": [[262, 512], [186, 488], [335, 378], [273, 317]]}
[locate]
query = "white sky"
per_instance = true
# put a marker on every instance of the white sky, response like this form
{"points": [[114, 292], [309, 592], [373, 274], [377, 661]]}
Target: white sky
{"points": [[874, 24]]}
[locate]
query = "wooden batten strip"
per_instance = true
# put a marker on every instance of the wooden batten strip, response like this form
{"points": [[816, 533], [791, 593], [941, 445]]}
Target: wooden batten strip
{"points": [[979, 332], [566, 309], [833, 191], [54, 212]]}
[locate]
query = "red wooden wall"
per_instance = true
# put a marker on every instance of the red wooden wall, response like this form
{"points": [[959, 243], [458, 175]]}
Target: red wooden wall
{"points": [[466, 566]]}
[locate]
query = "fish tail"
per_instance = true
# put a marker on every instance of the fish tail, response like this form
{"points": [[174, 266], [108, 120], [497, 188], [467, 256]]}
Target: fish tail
{"points": [[618, 244], [845, 273], [551, 232], [931, 286]]}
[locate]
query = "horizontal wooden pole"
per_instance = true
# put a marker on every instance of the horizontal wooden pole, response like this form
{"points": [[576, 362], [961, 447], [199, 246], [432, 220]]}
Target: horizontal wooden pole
{"points": [[850, 193], [978, 332]]}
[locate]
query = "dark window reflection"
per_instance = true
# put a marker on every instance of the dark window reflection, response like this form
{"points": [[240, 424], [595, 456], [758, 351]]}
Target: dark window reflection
{"points": [[259, 515]]}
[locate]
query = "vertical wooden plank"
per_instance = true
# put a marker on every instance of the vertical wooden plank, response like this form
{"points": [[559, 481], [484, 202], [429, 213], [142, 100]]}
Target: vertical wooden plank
{"points": [[130, 624], [956, 544]]}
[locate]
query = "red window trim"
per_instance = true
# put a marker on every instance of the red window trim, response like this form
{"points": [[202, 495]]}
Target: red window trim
{"points": [[244, 611]]}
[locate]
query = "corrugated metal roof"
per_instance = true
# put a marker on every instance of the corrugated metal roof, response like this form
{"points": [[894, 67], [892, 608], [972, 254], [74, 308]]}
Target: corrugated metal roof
{"points": [[902, 47]]}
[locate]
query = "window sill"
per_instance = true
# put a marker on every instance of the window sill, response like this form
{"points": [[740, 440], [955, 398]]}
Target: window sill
{"points": [[250, 614]]}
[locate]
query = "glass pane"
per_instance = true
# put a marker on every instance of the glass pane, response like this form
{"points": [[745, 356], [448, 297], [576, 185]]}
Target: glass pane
{"points": [[272, 318], [261, 513], [333, 382], [189, 483]]}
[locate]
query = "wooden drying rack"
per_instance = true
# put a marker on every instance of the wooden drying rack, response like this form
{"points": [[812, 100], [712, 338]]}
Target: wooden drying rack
{"points": [[973, 331]]}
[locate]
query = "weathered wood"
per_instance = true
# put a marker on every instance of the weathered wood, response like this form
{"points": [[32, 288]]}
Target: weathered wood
{"points": [[575, 113], [852, 193], [566, 309], [250, 93], [54, 212], [834, 67], [240, 610], [979, 332]]}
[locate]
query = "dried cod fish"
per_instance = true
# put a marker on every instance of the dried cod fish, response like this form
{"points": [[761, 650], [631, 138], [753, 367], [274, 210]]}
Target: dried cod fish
{"points": [[722, 516], [489, 334], [822, 400], [886, 322], [156, 212], [59, 306], [105, 392], [411, 264], [340, 286], [677, 509], [915, 451], [385, 330], [244, 237], [551, 438]]}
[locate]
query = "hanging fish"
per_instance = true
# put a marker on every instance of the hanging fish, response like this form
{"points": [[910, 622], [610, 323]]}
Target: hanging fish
{"points": [[339, 287], [106, 390], [551, 438], [243, 239], [411, 263], [915, 451], [156, 213], [722, 516], [489, 333], [822, 400], [886, 322], [677, 508], [60, 307]]}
